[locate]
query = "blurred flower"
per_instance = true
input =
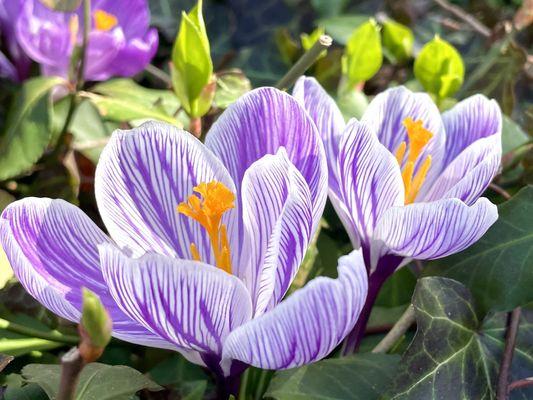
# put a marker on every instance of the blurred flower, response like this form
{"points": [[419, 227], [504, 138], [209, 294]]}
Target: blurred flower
{"points": [[209, 240], [405, 181], [16, 65], [120, 42]]}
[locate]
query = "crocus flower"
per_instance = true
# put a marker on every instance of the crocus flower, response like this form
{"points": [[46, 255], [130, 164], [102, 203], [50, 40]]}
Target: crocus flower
{"points": [[16, 65], [205, 241], [405, 181], [120, 42]]}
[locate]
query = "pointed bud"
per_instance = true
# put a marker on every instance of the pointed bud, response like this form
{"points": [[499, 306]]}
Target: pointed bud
{"points": [[95, 327]]}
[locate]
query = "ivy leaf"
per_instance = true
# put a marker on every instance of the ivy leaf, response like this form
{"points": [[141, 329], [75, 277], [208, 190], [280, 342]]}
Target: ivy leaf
{"points": [[454, 355], [27, 131], [498, 268], [360, 377], [97, 381]]}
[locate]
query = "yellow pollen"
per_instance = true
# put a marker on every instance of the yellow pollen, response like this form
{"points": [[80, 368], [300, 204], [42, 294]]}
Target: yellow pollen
{"points": [[73, 27], [104, 21], [207, 208], [418, 139]]}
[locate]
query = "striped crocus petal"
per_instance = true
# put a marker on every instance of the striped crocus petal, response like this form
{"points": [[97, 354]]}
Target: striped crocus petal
{"points": [[142, 176], [327, 117], [189, 303], [52, 247], [473, 150], [261, 122], [278, 218], [370, 182], [308, 325], [435, 229], [387, 111]]}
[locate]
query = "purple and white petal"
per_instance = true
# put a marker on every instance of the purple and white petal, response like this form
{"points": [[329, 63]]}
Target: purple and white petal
{"points": [[386, 113], [308, 325], [189, 303], [370, 181], [261, 122], [278, 218], [326, 115], [52, 248], [142, 176], [468, 121], [470, 173], [436, 229]]}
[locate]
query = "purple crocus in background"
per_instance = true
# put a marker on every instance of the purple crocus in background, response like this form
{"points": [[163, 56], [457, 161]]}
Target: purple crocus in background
{"points": [[120, 41], [14, 65], [405, 181], [205, 241]]}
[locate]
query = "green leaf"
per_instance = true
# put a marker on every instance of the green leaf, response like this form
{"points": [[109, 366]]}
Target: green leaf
{"points": [[363, 56], [308, 40], [439, 68], [62, 5], [27, 392], [512, 135], [97, 381], [498, 268], [398, 41], [27, 130], [95, 321], [398, 289], [192, 67], [454, 355], [360, 377], [231, 85], [341, 27]]}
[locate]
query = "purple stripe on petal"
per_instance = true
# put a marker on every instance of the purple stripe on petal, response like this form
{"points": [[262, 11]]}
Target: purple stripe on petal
{"points": [[52, 247], [468, 121], [261, 122], [189, 303], [327, 117], [470, 173], [308, 325], [142, 176], [277, 214], [370, 181], [436, 229]]}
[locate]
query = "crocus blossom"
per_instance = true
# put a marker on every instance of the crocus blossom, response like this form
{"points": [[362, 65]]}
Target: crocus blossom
{"points": [[15, 64], [120, 42], [204, 241], [405, 181]]}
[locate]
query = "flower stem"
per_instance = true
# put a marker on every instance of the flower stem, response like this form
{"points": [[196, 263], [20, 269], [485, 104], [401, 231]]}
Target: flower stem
{"points": [[54, 336], [243, 385], [303, 64], [398, 330], [513, 321], [71, 366]]}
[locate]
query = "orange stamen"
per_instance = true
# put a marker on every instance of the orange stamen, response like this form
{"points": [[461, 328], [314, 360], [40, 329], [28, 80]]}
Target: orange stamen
{"points": [[207, 209], [104, 21], [419, 137]]}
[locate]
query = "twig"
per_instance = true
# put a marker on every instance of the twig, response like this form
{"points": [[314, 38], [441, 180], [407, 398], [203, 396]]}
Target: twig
{"points": [[466, 17], [91, 144], [195, 126], [159, 74], [520, 384], [501, 191], [303, 64], [397, 331], [71, 366], [54, 336], [513, 320]]}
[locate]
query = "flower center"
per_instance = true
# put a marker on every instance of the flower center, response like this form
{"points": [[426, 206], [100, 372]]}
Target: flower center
{"points": [[104, 21], [207, 208], [418, 139]]}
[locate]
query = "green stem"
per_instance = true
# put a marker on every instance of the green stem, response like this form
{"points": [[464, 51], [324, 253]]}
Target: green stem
{"points": [[263, 374], [303, 64], [243, 385], [52, 335]]}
